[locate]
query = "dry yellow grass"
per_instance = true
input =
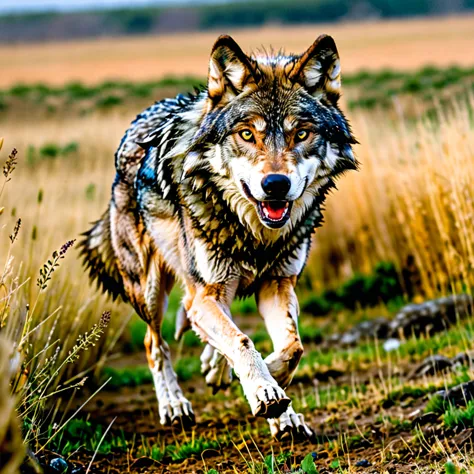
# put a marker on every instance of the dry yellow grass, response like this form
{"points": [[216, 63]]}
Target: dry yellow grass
{"points": [[412, 203], [402, 44]]}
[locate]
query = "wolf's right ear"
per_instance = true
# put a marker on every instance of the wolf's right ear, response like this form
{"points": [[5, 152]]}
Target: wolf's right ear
{"points": [[230, 70], [318, 69]]}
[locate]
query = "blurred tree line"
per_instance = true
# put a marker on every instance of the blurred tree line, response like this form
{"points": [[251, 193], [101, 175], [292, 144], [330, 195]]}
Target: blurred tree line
{"points": [[243, 13]]}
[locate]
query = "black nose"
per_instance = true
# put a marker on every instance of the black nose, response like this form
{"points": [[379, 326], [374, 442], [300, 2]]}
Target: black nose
{"points": [[276, 185]]}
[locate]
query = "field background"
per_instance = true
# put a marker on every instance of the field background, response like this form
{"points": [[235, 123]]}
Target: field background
{"points": [[397, 232], [397, 44]]}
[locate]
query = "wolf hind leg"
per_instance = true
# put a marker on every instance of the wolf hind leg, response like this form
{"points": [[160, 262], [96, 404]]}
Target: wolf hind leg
{"points": [[173, 407], [147, 287], [215, 368]]}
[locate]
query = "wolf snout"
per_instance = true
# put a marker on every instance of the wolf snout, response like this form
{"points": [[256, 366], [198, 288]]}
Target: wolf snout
{"points": [[276, 186]]}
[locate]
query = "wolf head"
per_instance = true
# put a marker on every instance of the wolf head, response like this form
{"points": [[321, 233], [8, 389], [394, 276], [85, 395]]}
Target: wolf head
{"points": [[272, 131]]}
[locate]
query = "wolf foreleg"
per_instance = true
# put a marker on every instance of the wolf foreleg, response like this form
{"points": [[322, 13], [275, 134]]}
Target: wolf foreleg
{"points": [[209, 314], [279, 308], [278, 305]]}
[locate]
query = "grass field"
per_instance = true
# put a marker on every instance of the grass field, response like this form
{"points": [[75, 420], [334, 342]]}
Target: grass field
{"points": [[407, 44], [398, 232]]}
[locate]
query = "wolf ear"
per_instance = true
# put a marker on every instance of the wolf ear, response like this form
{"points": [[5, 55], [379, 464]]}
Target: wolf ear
{"points": [[319, 69], [230, 70]]}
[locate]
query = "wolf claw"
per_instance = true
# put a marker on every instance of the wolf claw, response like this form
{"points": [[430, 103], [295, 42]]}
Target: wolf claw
{"points": [[271, 401], [290, 425], [178, 413]]}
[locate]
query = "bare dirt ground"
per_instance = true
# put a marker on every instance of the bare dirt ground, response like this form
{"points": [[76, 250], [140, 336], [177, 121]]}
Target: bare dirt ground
{"points": [[364, 426], [402, 44]]}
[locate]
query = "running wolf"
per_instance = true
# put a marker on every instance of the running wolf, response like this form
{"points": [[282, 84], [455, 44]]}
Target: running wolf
{"points": [[222, 190]]}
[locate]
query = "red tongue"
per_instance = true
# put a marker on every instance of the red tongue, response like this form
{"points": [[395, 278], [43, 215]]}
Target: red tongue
{"points": [[275, 210]]}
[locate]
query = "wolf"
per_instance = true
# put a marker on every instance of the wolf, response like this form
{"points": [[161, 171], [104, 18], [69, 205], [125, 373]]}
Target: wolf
{"points": [[221, 191]]}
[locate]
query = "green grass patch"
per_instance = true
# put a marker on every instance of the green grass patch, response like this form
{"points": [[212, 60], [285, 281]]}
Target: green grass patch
{"points": [[51, 151], [244, 306], [85, 435], [126, 377], [361, 291], [187, 367], [460, 417], [180, 451]]}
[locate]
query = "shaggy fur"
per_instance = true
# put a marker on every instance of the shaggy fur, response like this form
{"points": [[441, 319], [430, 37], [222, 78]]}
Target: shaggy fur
{"points": [[222, 191]]}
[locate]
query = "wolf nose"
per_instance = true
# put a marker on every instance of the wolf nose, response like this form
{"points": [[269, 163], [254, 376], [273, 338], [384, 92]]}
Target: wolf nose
{"points": [[276, 185]]}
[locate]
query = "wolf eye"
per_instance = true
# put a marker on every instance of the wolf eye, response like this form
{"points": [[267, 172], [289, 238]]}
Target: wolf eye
{"points": [[247, 135], [301, 136]]}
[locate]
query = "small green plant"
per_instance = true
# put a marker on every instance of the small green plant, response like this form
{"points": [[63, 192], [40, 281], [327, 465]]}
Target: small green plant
{"points": [[195, 447], [450, 468], [273, 462], [152, 451], [308, 465], [90, 191]]}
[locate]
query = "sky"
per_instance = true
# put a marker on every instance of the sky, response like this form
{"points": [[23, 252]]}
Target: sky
{"points": [[12, 6]]}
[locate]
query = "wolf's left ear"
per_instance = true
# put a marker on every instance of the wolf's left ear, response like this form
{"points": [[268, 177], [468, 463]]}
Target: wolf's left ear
{"points": [[319, 69], [230, 70]]}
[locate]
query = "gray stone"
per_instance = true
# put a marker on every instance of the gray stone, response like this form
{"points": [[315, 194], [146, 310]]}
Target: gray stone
{"points": [[431, 366]]}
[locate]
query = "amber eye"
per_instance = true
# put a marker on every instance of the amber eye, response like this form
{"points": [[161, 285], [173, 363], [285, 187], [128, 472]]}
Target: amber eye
{"points": [[247, 135], [301, 135]]}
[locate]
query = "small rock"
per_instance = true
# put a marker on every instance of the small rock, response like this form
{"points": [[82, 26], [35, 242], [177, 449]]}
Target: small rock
{"points": [[431, 366], [327, 375], [431, 316], [59, 465], [376, 328], [350, 338], [463, 358], [460, 394], [391, 344], [425, 418], [415, 414], [334, 339], [363, 463]]}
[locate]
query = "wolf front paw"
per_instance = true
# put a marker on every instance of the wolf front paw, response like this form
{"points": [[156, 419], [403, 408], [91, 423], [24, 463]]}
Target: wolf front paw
{"points": [[178, 413], [269, 401], [290, 425], [216, 369]]}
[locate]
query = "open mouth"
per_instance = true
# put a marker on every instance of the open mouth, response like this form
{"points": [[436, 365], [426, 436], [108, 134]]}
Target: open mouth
{"points": [[272, 213]]}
